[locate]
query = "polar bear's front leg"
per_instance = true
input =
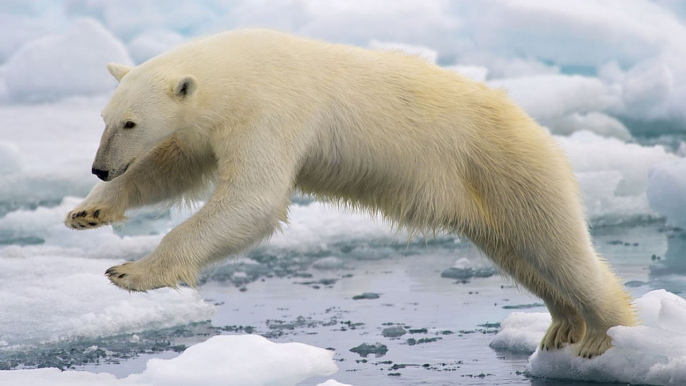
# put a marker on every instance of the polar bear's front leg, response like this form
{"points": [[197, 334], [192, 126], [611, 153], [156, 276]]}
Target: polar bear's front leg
{"points": [[166, 172], [248, 203], [229, 222]]}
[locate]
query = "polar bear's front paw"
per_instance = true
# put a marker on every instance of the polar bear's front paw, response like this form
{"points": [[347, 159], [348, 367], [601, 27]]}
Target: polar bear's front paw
{"points": [[90, 217]]}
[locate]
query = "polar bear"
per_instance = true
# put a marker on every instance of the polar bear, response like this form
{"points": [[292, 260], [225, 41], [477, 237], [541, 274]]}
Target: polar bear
{"points": [[254, 114]]}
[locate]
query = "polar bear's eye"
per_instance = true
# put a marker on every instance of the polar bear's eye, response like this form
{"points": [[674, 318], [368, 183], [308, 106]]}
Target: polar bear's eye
{"points": [[129, 125]]}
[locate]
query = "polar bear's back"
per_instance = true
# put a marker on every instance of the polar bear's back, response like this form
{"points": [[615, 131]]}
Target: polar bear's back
{"points": [[386, 130]]}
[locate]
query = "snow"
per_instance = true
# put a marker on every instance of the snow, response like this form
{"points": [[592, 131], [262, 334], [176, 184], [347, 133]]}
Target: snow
{"points": [[61, 65], [69, 297], [613, 175], [238, 360], [521, 332], [653, 353]]}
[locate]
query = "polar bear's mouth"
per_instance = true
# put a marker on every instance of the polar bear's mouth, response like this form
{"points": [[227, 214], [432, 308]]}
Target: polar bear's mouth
{"points": [[118, 172]]}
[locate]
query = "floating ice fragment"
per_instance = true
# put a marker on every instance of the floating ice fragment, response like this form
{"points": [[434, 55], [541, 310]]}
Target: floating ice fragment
{"points": [[393, 332], [654, 353], [365, 349], [241, 360], [332, 382], [237, 360], [521, 332], [366, 295]]}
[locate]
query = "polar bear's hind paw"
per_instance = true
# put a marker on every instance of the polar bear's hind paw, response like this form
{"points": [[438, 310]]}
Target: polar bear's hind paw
{"points": [[594, 344]]}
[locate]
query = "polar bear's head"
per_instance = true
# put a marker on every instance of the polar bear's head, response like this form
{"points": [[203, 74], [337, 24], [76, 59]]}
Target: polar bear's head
{"points": [[146, 107]]}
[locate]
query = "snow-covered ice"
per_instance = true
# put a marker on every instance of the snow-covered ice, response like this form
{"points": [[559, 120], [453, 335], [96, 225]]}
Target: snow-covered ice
{"points": [[62, 65], [521, 332], [653, 353], [237, 360], [613, 175], [51, 298]]}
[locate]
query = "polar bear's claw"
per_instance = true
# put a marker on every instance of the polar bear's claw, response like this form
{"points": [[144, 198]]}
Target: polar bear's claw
{"points": [[88, 218]]}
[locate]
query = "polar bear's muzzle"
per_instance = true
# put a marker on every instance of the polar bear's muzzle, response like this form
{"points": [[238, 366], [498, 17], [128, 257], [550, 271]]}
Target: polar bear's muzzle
{"points": [[107, 175]]}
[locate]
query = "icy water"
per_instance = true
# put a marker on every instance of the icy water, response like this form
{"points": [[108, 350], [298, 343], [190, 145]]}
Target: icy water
{"points": [[385, 296]]}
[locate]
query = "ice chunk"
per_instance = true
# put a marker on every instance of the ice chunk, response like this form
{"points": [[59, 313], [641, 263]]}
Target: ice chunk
{"points": [[521, 332], [237, 360], [667, 190], [240, 360], [152, 43], [547, 97], [50, 298], [654, 353], [60, 65], [477, 73], [672, 315], [500, 67], [425, 53], [648, 306], [22, 26], [613, 175], [332, 382], [463, 269], [596, 122], [322, 224]]}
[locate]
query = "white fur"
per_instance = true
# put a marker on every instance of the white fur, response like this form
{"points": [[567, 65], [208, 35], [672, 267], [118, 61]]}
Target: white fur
{"points": [[268, 113]]}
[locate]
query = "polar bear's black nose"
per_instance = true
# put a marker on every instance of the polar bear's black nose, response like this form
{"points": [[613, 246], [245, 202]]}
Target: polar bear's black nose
{"points": [[102, 174]]}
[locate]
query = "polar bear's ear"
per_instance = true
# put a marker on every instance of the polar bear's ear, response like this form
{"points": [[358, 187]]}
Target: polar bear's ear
{"points": [[118, 70], [185, 86]]}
